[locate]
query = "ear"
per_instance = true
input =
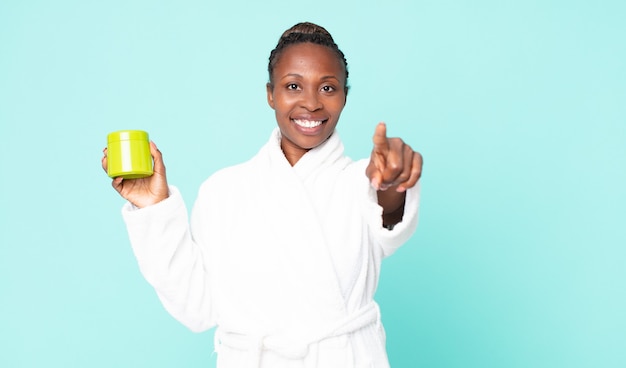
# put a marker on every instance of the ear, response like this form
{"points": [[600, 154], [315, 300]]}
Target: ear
{"points": [[270, 94]]}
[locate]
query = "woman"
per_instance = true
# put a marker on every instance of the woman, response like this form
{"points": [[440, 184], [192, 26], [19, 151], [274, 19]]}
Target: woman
{"points": [[283, 252]]}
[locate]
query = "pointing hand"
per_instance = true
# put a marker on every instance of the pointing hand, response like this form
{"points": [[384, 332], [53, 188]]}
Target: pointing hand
{"points": [[393, 163]]}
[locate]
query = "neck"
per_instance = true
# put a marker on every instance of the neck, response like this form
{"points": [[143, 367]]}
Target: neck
{"points": [[292, 154]]}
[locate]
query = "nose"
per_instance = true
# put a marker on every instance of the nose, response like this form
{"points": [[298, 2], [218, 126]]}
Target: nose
{"points": [[311, 100]]}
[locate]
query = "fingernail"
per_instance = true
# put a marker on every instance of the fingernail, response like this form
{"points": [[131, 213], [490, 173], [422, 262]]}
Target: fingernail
{"points": [[375, 184]]}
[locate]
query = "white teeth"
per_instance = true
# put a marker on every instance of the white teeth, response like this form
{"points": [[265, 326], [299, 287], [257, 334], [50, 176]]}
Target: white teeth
{"points": [[308, 123]]}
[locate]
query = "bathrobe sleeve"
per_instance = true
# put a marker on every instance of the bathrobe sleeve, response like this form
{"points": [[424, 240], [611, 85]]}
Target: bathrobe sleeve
{"points": [[172, 261]]}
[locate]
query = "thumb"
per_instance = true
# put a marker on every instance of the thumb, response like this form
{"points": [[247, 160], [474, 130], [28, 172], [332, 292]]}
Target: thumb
{"points": [[376, 178]]}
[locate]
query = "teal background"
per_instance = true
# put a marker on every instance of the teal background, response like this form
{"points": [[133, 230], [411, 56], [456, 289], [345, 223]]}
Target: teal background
{"points": [[519, 108]]}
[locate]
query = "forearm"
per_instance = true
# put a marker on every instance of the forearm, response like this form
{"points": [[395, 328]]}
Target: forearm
{"points": [[392, 203]]}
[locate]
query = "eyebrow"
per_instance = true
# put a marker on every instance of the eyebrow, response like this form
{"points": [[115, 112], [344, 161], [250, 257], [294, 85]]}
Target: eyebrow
{"points": [[326, 77]]}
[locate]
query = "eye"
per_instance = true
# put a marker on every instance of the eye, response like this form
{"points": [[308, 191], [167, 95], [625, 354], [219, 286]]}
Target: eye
{"points": [[328, 89], [292, 86]]}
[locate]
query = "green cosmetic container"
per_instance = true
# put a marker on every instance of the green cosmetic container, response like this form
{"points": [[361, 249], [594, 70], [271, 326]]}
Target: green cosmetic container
{"points": [[128, 154]]}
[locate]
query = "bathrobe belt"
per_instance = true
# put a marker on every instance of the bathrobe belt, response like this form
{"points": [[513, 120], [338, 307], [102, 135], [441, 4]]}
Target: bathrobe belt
{"points": [[291, 348]]}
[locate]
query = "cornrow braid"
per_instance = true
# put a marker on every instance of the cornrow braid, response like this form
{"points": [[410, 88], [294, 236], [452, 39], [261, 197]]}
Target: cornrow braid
{"points": [[301, 33]]}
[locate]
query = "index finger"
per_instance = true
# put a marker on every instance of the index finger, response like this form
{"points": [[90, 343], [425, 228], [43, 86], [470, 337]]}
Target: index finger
{"points": [[381, 144]]}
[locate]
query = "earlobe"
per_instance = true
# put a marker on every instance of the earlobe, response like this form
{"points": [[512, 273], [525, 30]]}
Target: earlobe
{"points": [[270, 94]]}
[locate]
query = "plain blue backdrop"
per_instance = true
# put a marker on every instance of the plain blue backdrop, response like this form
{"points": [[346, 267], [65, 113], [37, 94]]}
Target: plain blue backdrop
{"points": [[519, 108]]}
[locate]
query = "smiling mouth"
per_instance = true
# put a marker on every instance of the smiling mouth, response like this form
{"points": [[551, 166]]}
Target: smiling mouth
{"points": [[308, 123]]}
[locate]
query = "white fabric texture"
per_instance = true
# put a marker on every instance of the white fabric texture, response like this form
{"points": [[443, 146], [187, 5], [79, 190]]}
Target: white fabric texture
{"points": [[284, 260]]}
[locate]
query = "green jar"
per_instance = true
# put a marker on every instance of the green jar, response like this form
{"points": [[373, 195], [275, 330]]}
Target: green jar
{"points": [[128, 154]]}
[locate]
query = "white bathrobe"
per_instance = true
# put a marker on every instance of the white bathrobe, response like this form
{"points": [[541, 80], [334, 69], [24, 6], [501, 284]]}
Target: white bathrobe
{"points": [[284, 260]]}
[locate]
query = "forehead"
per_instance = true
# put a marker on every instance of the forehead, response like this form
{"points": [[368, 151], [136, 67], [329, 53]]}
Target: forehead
{"points": [[311, 57]]}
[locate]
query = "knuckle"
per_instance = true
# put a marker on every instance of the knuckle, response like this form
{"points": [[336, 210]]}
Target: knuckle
{"points": [[394, 166], [396, 142]]}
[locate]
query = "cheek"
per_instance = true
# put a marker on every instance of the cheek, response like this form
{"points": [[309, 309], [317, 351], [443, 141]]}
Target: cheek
{"points": [[282, 102], [336, 105]]}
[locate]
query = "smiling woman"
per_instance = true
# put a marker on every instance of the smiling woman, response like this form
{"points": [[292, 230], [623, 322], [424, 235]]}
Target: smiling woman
{"points": [[307, 88], [296, 288], [307, 93]]}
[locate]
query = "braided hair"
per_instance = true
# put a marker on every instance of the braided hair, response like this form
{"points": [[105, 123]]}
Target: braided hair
{"points": [[301, 33]]}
